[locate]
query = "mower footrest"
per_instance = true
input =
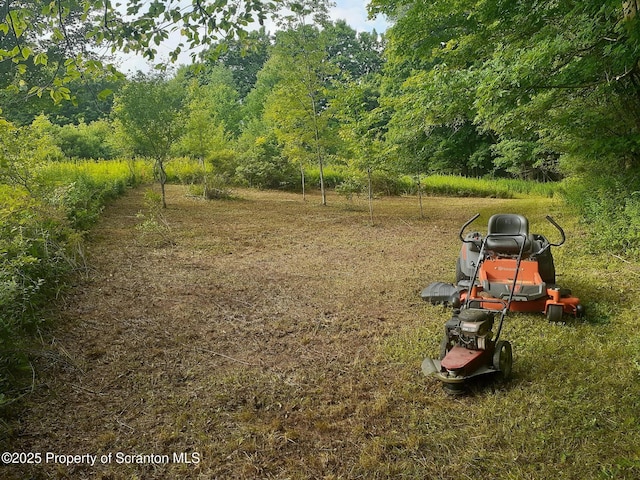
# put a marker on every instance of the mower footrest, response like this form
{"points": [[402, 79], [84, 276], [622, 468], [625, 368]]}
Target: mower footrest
{"points": [[523, 292], [439, 293]]}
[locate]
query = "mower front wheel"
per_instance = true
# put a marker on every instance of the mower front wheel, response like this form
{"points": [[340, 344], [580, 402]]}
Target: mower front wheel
{"points": [[503, 358], [554, 313]]}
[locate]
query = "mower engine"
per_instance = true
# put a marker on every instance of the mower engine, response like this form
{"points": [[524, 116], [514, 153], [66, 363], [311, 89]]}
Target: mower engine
{"points": [[469, 328]]}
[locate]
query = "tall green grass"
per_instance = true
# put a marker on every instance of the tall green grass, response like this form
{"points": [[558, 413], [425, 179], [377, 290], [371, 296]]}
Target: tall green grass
{"points": [[609, 207], [457, 186], [386, 183], [81, 189], [187, 171]]}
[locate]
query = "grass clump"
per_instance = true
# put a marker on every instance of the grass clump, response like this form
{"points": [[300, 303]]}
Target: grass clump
{"points": [[154, 227]]}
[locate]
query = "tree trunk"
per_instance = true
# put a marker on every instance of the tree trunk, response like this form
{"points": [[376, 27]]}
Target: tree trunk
{"points": [[322, 189], [420, 197], [304, 198], [163, 180], [318, 151], [204, 178], [370, 195]]}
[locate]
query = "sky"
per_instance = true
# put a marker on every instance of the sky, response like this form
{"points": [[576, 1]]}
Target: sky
{"points": [[354, 12]]}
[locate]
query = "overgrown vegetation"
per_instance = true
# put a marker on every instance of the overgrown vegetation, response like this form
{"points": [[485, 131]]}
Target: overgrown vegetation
{"points": [[42, 232], [610, 208]]}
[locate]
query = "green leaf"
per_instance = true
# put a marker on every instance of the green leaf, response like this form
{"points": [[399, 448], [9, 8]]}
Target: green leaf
{"points": [[104, 94], [41, 59], [57, 34], [17, 22]]}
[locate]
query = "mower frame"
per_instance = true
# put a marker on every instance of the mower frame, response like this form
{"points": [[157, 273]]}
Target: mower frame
{"points": [[468, 348]]}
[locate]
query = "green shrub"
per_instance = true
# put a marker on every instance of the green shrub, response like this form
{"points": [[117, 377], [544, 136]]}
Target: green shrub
{"points": [[267, 172], [350, 187], [35, 260], [387, 183], [86, 141], [217, 188], [610, 207]]}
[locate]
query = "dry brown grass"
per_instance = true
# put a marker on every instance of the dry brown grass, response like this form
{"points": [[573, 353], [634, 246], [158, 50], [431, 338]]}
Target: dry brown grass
{"points": [[282, 339]]}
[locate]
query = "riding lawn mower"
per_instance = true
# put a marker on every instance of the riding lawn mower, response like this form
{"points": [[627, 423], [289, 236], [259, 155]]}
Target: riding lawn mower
{"points": [[507, 269]]}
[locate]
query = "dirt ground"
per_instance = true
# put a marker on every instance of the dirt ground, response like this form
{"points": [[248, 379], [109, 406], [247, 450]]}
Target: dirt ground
{"points": [[258, 338]]}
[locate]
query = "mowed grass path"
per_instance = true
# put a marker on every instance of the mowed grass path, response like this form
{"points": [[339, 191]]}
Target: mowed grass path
{"points": [[275, 338]]}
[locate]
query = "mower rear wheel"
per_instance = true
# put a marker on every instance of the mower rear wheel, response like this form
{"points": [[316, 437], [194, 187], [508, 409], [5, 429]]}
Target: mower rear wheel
{"points": [[460, 275], [503, 358], [554, 313]]}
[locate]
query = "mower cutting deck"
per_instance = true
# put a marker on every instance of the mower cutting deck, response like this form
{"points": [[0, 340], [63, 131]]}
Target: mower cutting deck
{"points": [[506, 270]]}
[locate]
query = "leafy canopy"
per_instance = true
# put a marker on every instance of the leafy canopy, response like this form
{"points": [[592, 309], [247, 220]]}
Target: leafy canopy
{"points": [[548, 81], [68, 39]]}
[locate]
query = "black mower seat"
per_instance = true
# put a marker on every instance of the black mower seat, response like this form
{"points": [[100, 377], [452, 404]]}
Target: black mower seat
{"points": [[510, 228]]}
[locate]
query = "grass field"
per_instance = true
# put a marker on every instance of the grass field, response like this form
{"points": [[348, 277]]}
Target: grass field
{"points": [[267, 337]]}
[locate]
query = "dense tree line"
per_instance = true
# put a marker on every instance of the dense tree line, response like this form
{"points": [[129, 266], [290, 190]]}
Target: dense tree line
{"points": [[539, 90], [503, 88]]}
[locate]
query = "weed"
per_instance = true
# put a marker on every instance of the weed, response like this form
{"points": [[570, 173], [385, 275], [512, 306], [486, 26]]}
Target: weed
{"points": [[154, 227], [42, 234]]}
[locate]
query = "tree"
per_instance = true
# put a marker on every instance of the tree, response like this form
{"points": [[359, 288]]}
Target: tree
{"points": [[266, 81], [356, 55], [86, 141], [261, 160], [32, 33], [432, 136], [208, 111], [244, 58], [363, 125], [301, 58], [148, 112], [24, 150]]}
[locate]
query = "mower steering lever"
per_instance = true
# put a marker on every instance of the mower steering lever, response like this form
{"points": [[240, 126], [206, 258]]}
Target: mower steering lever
{"points": [[471, 220], [553, 222]]}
